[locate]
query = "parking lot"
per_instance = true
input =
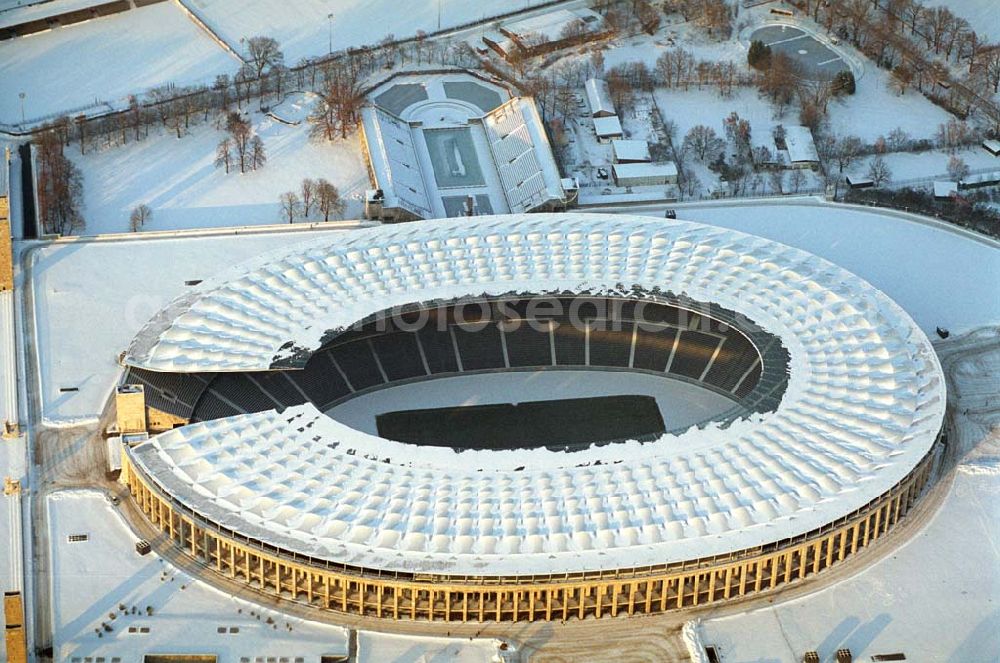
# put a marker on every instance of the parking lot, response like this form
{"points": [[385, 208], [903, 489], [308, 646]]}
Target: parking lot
{"points": [[818, 61]]}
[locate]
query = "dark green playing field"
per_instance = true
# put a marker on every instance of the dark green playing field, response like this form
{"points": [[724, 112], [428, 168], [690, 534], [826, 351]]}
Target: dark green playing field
{"points": [[553, 424]]}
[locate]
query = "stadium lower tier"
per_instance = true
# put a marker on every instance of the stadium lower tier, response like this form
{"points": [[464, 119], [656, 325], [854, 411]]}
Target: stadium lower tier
{"points": [[698, 343], [449, 598]]}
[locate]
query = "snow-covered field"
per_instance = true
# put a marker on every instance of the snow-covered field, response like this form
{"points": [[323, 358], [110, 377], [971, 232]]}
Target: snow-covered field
{"points": [[178, 179], [681, 404], [875, 109], [106, 59], [939, 277], [92, 298], [69, 69], [302, 27], [982, 15], [917, 601], [92, 579], [906, 166]]}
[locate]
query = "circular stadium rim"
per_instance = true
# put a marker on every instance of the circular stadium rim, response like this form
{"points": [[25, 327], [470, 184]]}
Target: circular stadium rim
{"points": [[864, 404]]}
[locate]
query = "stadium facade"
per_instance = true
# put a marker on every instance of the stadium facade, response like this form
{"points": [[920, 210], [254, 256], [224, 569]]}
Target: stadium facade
{"points": [[837, 403]]}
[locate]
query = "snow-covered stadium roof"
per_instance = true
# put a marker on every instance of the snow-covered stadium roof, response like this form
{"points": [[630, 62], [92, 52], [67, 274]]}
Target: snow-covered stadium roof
{"points": [[864, 403]]}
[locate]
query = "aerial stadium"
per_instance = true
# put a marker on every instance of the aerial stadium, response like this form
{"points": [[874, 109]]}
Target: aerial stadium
{"points": [[561, 416]]}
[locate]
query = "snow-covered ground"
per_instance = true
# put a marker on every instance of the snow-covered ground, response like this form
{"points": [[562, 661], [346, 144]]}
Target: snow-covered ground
{"points": [[906, 166], [389, 648], [106, 59], [917, 601], [938, 276], [93, 579], [72, 68], [92, 298], [982, 15], [302, 27], [681, 404], [178, 179]]}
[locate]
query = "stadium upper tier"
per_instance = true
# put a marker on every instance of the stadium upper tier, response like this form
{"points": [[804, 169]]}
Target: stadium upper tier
{"points": [[863, 405]]}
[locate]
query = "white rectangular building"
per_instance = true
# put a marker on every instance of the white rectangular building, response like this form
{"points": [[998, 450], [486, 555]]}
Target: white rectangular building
{"points": [[801, 148], [992, 146], [608, 128], [644, 174], [630, 151], [599, 98]]}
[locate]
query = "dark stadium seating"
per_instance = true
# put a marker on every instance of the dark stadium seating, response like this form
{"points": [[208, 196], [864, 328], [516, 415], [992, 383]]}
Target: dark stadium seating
{"points": [[399, 355], [439, 350], [527, 345], [693, 354], [652, 348], [320, 380], [358, 364], [479, 346], [678, 340], [610, 346]]}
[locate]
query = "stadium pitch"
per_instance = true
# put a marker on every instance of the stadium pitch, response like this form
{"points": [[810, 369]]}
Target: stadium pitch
{"points": [[555, 424]]}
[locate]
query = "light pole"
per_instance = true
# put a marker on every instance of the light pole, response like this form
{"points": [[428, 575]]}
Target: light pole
{"points": [[21, 95], [330, 17]]}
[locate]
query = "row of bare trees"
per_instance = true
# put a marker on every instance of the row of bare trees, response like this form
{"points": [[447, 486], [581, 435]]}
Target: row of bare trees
{"points": [[319, 195], [240, 147], [60, 184]]}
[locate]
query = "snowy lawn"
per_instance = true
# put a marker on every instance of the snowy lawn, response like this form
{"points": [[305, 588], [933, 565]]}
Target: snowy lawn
{"points": [[982, 15], [694, 107], [91, 298], [928, 600], [875, 109], [178, 179], [91, 578], [906, 165], [105, 59], [303, 29]]}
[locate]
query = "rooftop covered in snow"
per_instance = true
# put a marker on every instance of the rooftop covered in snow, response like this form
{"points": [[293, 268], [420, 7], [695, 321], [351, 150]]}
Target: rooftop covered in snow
{"points": [[864, 404]]}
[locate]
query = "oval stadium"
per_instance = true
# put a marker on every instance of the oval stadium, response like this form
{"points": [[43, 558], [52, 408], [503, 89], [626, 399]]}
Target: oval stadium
{"points": [[528, 417]]}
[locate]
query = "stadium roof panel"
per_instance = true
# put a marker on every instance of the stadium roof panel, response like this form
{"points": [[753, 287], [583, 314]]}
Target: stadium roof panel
{"points": [[864, 404]]}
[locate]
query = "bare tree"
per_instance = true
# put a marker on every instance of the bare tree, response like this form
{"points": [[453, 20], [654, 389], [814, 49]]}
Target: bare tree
{"points": [[308, 190], [878, 171], [239, 131], [224, 153], [958, 170], [777, 178], [846, 151], [290, 205], [140, 215], [258, 157], [264, 54], [902, 77], [797, 178], [339, 107], [59, 185], [328, 199], [702, 141], [898, 139]]}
